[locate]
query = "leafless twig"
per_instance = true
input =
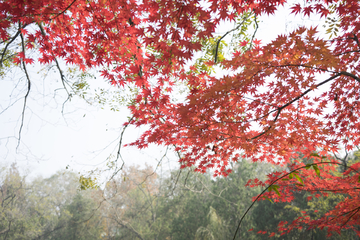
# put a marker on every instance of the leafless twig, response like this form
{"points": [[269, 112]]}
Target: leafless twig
{"points": [[28, 88]]}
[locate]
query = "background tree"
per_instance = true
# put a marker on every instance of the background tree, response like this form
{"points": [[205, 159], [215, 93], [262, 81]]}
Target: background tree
{"points": [[49, 208], [131, 203]]}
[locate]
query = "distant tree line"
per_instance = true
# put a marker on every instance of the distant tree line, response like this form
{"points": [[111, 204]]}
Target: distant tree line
{"points": [[140, 204]]}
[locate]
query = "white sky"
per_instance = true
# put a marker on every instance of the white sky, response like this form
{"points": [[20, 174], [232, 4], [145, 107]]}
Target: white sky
{"points": [[85, 135]]}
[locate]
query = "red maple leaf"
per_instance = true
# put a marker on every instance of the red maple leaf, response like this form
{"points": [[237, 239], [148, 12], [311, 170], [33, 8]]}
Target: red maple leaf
{"points": [[296, 9]]}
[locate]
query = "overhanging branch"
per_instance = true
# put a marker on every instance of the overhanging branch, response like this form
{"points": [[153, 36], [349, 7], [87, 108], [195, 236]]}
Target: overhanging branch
{"points": [[28, 88]]}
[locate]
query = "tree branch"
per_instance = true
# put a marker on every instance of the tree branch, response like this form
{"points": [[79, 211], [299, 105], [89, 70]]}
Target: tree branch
{"points": [[7, 45], [28, 88], [256, 28], [57, 15], [294, 100], [218, 42]]}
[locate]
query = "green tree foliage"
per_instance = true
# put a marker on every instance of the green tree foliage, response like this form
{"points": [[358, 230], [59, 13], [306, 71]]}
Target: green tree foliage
{"points": [[272, 215], [44, 209], [15, 222], [139, 204], [130, 206], [82, 224]]}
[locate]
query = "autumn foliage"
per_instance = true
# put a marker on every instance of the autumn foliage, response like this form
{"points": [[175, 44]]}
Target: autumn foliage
{"points": [[294, 98]]}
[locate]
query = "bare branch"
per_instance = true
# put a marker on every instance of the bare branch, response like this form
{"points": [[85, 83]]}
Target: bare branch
{"points": [[159, 163], [219, 196], [28, 88], [177, 179], [62, 76], [118, 156]]}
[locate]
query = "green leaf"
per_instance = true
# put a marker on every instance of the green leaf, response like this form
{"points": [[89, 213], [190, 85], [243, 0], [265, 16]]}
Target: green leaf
{"points": [[88, 183], [316, 170], [268, 199], [299, 179], [274, 188], [291, 175], [308, 166], [277, 192], [314, 154]]}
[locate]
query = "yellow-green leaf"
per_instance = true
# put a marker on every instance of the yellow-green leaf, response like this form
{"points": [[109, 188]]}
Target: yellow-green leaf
{"points": [[268, 199], [298, 178], [315, 167], [314, 154]]}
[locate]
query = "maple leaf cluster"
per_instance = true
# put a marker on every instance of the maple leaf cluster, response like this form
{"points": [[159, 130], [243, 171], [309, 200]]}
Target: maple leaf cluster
{"points": [[280, 101]]}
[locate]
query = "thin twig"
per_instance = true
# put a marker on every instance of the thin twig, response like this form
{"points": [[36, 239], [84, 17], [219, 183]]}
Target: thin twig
{"points": [[159, 163], [118, 156], [28, 88], [256, 28], [219, 196]]}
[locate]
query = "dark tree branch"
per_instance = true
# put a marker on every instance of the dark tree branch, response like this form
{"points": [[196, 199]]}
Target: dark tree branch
{"points": [[356, 210], [356, 39], [28, 88], [350, 75], [118, 155], [223, 36], [163, 156], [354, 51], [294, 100], [343, 159], [62, 76], [7, 45], [257, 100], [177, 179], [57, 15], [63, 81], [256, 28]]}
